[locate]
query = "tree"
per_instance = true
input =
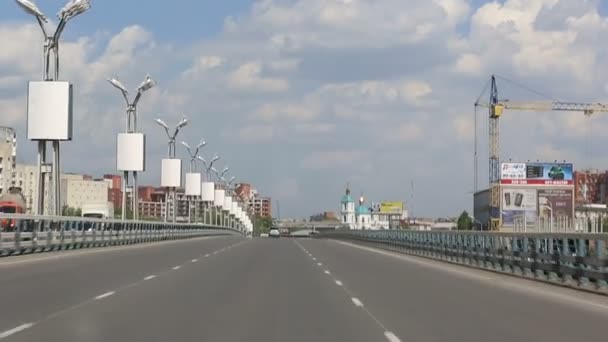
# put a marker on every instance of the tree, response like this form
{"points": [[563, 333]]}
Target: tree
{"points": [[465, 222], [261, 225]]}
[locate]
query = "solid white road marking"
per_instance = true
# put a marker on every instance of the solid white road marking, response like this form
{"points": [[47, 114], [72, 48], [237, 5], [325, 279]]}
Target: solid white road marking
{"points": [[356, 301], [327, 272], [102, 296], [194, 260], [150, 277], [391, 337], [339, 283], [15, 330]]}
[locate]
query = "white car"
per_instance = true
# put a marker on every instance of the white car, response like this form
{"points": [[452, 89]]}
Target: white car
{"points": [[274, 233]]}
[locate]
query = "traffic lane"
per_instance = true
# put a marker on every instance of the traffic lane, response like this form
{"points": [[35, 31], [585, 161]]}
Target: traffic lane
{"points": [[263, 290], [31, 290], [430, 301]]}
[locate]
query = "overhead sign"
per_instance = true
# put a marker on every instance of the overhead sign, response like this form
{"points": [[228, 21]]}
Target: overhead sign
{"points": [[388, 208], [537, 174]]}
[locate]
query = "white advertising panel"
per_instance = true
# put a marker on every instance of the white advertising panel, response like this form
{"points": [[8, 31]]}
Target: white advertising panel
{"points": [[234, 210], [171, 173], [219, 198], [513, 171], [208, 192], [49, 111], [518, 202], [130, 152], [193, 184], [228, 203]]}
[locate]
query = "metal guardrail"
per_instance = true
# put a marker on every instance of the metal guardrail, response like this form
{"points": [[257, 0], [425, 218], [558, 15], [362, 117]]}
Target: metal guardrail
{"points": [[20, 234], [574, 260]]}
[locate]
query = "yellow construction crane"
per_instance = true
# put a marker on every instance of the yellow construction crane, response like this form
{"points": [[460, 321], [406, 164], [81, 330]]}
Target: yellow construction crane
{"points": [[496, 108]]}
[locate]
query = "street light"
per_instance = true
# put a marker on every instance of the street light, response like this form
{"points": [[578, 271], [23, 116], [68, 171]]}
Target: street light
{"points": [[49, 124], [209, 166], [171, 167], [193, 180], [182, 123], [131, 145], [194, 154]]}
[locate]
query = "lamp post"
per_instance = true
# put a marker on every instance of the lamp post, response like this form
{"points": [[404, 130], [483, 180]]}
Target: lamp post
{"points": [[171, 171], [130, 146], [193, 180], [49, 117], [208, 190]]}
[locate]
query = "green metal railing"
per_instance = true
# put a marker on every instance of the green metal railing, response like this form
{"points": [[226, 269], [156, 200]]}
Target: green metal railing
{"points": [[20, 234], [574, 260]]}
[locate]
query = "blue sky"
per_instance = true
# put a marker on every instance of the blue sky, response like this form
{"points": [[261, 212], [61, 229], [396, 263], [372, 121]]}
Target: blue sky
{"points": [[302, 96]]}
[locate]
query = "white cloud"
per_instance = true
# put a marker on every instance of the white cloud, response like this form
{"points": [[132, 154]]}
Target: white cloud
{"points": [[329, 159], [257, 133], [324, 81], [248, 77], [272, 112], [468, 63], [203, 64]]}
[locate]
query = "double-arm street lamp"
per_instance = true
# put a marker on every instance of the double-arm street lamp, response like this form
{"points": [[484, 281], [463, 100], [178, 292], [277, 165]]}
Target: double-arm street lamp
{"points": [[193, 179], [171, 170], [49, 115], [131, 146]]}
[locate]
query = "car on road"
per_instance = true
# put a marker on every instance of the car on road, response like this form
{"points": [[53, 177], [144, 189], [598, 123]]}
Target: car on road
{"points": [[264, 235], [274, 233]]}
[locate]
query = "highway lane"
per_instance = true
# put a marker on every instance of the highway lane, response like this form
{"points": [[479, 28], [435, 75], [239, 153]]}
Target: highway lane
{"points": [[34, 286], [423, 300], [306, 290], [261, 290]]}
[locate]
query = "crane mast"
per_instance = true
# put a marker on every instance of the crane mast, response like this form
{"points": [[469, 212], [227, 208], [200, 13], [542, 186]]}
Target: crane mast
{"points": [[495, 109]]}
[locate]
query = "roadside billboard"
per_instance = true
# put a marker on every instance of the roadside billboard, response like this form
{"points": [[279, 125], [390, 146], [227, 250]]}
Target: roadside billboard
{"points": [[513, 171], [537, 174], [558, 203], [388, 208], [518, 202]]}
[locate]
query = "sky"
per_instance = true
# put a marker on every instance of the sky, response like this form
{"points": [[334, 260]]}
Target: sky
{"points": [[302, 97]]}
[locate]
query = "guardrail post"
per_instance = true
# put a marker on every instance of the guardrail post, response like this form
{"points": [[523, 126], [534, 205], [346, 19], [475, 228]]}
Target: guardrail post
{"points": [[601, 255], [581, 253], [17, 237]]}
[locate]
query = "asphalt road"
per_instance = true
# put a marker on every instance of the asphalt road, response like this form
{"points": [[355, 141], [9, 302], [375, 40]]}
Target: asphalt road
{"points": [[234, 289]]}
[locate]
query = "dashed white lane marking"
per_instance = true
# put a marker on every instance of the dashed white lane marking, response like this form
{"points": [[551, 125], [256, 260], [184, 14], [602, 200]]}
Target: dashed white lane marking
{"points": [[15, 330], [150, 277], [177, 267], [102, 296], [391, 337], [206, 255], [319, 264], [327, 272], [356, 301], [314, 259], [194, 260], [214, 253], [339, 283]]}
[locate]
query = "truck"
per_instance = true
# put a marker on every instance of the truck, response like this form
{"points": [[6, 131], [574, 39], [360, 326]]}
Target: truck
{"points": [[98, 210], [12, 202]]}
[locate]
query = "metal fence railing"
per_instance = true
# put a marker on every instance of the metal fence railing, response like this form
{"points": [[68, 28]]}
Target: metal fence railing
{"points": [[21, 234], [568, 259]]}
